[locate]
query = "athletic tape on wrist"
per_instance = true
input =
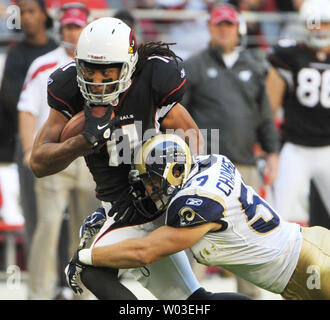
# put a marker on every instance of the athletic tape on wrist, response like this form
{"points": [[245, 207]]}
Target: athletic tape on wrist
{"points": [[85, 256]]}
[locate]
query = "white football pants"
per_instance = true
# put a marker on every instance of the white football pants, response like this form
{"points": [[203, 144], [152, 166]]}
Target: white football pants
{"points": [[297, 166], [72, 188], [10, 211]]}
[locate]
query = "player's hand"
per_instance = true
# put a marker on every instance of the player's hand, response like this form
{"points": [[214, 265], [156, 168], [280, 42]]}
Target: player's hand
{"points": [[123, 207], [91, 226], [98, 130], [271, 169], [72, 273]]}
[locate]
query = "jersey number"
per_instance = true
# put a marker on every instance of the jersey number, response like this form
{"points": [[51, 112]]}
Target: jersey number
{"points": [[313, 87], [114, 148], [260, 216]]}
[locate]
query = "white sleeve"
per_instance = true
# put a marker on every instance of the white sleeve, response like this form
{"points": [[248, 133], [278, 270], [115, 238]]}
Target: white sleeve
{"points": [[29, 100]]}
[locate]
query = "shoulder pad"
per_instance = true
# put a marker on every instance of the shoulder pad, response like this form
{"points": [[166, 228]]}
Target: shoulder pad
{"points": [[165, 67], [168, 80], [63, 76], [63, 91], [194, 209]]}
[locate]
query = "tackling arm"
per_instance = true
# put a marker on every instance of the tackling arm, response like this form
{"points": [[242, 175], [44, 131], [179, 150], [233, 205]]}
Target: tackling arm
{"points": [[160, 243], [48, 155]]}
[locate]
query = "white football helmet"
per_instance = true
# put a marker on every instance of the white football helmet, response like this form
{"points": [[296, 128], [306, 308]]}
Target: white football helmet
{"points": [[103, 43], [312, 13]]}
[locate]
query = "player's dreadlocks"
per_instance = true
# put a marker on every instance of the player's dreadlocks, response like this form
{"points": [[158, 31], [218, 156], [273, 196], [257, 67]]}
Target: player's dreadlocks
{"points": [[148, 49]]}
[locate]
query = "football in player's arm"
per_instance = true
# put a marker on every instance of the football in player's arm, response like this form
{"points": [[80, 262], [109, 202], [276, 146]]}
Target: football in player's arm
{"points": [[225, 223]]}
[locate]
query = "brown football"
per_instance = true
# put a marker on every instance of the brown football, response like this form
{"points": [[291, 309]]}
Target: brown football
{"points": [[76, 124]]}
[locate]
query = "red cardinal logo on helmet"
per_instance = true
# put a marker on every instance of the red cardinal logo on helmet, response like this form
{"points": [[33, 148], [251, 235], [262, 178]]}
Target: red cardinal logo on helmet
{"points": [[132, 43]]}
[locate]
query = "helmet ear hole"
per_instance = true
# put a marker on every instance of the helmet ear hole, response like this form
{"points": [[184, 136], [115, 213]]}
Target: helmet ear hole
{"points": [[177, 170]]}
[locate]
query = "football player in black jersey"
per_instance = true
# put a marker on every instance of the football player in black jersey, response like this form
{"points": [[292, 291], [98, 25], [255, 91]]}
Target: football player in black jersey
{"points": [[305, 88], [142, 88]]}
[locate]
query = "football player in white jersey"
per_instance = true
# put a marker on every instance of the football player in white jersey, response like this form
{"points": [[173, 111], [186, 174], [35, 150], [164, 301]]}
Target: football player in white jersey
{"points": [[224, 222]]}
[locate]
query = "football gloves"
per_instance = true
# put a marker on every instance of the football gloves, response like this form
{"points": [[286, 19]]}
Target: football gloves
{"points": [[91, 226], [98, 130], [122, 208], [125, 210], [72, 273]]}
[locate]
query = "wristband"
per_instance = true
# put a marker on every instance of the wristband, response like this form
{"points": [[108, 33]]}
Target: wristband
{"points": [[85, 256]]}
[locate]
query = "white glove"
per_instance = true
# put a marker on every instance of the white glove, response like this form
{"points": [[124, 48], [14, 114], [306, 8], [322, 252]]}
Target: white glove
{"points": [[91, 226]]}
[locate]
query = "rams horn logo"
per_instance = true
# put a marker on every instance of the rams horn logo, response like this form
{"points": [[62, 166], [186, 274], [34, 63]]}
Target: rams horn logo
{"points": [[132, 43], [187, 214]]}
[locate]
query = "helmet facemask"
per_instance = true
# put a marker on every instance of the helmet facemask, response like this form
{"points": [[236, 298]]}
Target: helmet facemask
{"points": [[319, 39], [162, 167], [111, 88], [156, 190], [104, 43], [315, 18]]}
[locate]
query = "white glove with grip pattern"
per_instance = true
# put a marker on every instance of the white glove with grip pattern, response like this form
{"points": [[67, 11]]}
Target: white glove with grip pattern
{"points": [[72, 272], [91, 226]]}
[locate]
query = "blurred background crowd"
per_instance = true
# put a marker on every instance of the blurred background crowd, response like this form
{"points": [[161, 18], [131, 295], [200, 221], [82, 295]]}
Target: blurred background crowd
{"points": [[184, 21]]}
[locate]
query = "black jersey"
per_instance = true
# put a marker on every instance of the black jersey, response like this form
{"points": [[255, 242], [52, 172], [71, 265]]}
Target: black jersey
{"points": [[307, 99], [152, 94]]}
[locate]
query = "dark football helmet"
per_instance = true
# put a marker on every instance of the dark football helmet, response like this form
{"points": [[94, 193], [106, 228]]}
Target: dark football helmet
{"points": [[162, 165]]}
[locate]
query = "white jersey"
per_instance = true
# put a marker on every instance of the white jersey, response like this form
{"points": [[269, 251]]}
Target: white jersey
{"points": [[254, 242], [33, 97]]}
